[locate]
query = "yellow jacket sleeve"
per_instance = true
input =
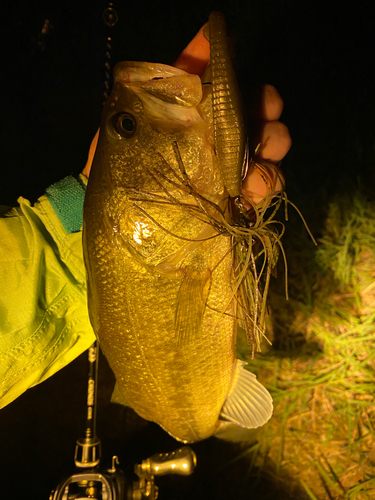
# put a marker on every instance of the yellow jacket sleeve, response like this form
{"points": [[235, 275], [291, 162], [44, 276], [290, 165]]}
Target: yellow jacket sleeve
{"points": [[44, 322]]}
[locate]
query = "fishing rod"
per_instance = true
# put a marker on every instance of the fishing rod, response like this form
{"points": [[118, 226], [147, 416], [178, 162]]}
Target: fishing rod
{"points": [[92, 482]]}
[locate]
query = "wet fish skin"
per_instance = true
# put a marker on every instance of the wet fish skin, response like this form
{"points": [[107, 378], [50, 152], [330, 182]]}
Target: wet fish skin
{"points": [[158, 246], [148, 289]]}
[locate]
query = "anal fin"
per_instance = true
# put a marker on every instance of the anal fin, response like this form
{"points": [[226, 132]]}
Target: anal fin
{"points": [[118, 397], [249, 404]]}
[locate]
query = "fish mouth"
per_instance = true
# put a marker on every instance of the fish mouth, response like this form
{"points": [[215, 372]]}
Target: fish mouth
{"points": [[165, 83], [139, 71]]}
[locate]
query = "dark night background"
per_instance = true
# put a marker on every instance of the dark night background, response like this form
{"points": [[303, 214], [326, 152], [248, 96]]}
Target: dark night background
{"points": [[320, 56]]}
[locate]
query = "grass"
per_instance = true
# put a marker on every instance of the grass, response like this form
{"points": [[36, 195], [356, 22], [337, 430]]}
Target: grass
{"points": [[321, 367]]}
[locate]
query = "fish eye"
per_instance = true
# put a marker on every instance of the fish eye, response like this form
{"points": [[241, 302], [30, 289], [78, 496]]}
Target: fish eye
{"points": [[125, 125]]}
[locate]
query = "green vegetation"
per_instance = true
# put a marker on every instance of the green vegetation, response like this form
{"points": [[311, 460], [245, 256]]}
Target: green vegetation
{"points": [[320, 370]]}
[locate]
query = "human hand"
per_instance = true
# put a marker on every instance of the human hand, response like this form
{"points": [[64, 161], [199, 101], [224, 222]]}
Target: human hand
{"points": [[90, 158], [275, 139]]}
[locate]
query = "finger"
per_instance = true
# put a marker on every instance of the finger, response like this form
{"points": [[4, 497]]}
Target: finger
{"points": [[266, 104], [196, 56], [275, 141], [271, 104], [94, 143], [256, 186]]}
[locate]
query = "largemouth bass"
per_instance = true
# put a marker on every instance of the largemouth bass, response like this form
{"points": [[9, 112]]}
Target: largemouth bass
{"points": [[163, 290]]}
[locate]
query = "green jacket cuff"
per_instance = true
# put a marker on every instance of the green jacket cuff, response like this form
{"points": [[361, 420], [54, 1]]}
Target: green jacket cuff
{"points": [[66, 198]]}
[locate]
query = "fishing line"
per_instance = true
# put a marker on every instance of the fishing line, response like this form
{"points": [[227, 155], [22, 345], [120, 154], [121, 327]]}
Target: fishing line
{"points": [[110, 18]]}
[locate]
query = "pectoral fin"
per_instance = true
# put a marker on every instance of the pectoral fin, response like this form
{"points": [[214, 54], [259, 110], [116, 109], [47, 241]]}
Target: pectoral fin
{"points": [[191, 303], [118, 397], [249, 404]]}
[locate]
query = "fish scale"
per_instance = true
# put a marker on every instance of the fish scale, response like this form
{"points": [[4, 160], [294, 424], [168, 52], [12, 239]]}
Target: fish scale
{"points": [[173, 370], [158, 255]]}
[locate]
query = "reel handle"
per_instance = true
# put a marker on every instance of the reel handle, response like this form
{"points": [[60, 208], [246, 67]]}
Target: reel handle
{"points": [[181, 461]]}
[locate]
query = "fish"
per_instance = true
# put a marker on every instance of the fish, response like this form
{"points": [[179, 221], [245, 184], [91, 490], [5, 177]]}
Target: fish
{"points": [[167, 259]]}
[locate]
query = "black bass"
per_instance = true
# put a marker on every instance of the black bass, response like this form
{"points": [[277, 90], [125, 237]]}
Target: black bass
{"points": [[163, 290]]}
